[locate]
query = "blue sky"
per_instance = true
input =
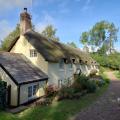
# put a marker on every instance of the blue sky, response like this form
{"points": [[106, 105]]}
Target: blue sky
{"points": [[70, 17]]}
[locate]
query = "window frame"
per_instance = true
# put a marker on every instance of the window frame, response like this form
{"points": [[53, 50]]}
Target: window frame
{"points": [[33, 53], [33, 90]]}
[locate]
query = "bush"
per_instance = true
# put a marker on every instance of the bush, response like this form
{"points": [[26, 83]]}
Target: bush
{"points": [[93, 72], [3, 90], [91, 86], [80, 83], [66, 92], [51, 90], [83, 83], [100, 83], [107, 80]]}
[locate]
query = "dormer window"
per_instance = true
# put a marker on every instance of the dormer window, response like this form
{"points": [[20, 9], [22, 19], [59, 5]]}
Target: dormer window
{"points": [[33, 53]]}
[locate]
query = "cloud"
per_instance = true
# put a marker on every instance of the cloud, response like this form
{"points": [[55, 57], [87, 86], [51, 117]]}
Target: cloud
{"points": [[47, 20], [86, 5], [5, 29], [6, 5]]}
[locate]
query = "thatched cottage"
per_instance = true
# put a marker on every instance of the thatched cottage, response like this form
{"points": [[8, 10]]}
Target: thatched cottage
{"points": [[33, 61]]}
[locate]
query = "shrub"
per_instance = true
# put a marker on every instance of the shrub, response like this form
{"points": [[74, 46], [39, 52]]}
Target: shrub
{"points": [[66, 92], [80, 83], [51, 90], [3, 90], [100, 83], [83, 83], [107, 80], [91, 86], [93, 72]]}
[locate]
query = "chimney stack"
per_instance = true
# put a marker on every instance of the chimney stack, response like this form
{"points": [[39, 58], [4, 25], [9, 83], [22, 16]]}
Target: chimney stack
{"points": [[25, 22]]}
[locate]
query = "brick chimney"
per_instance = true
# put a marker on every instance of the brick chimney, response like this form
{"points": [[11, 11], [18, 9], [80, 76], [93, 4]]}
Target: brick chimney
{"points": [[25, 22]]}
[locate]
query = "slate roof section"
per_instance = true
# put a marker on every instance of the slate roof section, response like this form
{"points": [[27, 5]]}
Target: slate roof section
{"points": [[20, 68]]}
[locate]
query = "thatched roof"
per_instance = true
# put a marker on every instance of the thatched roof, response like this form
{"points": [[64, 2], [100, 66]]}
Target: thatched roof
{"points": [[53, 51], [20, 69]]}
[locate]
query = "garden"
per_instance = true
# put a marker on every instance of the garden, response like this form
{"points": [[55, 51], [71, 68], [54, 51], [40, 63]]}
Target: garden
{"points": [[64, 103]]}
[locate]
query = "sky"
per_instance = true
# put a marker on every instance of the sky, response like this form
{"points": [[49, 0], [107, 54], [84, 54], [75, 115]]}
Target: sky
{"points": [[69, 17]]}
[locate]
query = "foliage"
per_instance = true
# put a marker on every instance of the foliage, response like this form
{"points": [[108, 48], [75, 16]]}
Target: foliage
{"points": [[72, 44], [62, 110], [50, 33], [83, 83], [6, 42], [102, 35], [93, 72], [51, 90], [110, 61], [117, 74], [3, 91], [91, 86]]}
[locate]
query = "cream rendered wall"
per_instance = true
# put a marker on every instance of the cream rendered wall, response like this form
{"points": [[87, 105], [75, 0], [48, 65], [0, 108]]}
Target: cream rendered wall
{"points": [[52, 69], [9, 81], [55, 73], [24, 91], [23, 46]]}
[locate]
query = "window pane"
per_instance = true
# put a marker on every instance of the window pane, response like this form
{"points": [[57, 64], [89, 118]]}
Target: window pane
{"points": [[30, 91], [35, 89], [33, 53]]}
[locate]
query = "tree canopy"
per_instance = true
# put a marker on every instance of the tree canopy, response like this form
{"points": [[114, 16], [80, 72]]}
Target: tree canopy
{"points": [[102, 35], [6, 42], [72, 44], [50, 33]]}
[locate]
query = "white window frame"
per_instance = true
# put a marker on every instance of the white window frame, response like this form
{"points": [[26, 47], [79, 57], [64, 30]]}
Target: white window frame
{"points": [[33, 53], [33, 94]]}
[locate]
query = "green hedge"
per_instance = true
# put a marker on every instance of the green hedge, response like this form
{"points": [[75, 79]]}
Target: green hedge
{"points": [[111, 61], [3, 92]]}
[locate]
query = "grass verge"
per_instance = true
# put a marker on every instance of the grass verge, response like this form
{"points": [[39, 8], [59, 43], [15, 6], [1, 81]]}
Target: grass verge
{"points": [[63, 110], [117, 74]]}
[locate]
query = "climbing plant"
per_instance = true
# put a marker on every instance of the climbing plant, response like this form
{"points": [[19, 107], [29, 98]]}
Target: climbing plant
{"points": [[3, 92]]}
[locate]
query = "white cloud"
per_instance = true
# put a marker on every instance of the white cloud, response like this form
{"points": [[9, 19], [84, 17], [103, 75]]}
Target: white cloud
{"points": [[10, 4], [47, 19], [5, 29], [86, 5]]}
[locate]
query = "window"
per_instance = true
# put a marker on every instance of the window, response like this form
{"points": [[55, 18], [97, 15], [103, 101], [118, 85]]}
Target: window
{"points": [[35, 89], [32, 90], [61, 64], [33, 53]]}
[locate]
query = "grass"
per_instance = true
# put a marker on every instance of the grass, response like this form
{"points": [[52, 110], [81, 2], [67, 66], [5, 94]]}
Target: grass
{"points": [[117, 74], [63, 110]]}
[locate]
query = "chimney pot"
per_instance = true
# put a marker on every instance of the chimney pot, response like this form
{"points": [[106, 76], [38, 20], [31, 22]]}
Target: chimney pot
{"points": [[25, 9]]}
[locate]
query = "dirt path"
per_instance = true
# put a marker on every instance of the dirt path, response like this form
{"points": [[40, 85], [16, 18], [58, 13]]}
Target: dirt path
{"points": [[106, 107]]}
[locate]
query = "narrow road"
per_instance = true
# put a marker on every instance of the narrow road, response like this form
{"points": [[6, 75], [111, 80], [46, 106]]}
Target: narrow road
{"points": [[107, 107]]}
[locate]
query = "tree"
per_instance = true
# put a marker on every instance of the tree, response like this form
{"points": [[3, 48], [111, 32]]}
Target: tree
{"points": [[112, 30], [6, 42], [102, 35], [84, 38], [72, 44], [50, 33]]}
